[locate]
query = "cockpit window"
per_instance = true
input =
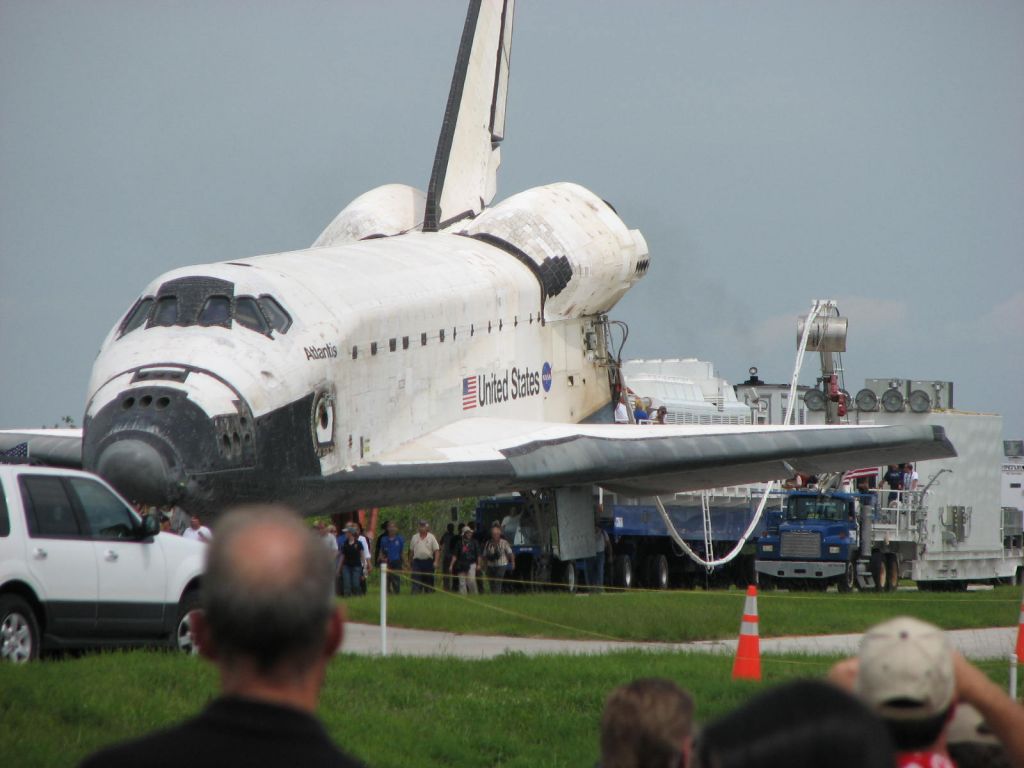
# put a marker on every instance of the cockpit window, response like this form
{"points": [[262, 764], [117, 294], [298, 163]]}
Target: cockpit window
{"points": [[138, 315], [166, 312], [216, 311], [280, 320], [198, 300], [247, 313]]}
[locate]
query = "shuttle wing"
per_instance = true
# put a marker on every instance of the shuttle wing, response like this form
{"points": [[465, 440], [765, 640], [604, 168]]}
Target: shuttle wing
{"points": [[53, 447], [464, 176], [482, 456]]}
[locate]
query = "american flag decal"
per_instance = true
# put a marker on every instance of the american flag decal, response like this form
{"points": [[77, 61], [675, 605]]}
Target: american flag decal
{"points": [[468, 392], [20, 451]]}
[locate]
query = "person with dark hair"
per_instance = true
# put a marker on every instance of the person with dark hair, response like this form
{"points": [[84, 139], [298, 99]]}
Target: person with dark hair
{"points": [[463, 562], [801, 724], [367, 561], [270, 624], [648, 722], [448, 543], [893, 478], [351, 562], [196, 531], [378, 540]]}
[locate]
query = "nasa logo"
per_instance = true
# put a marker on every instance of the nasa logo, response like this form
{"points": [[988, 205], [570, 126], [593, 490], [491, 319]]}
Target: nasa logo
{"points": [[545, 376]]}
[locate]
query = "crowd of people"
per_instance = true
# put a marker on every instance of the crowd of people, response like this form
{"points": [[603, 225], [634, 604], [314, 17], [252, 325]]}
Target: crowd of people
{"points": [[270, 624], [644, 411], [907, 700], [463, 558]]}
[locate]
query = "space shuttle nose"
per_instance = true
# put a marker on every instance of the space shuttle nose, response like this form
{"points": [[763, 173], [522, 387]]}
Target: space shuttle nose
{"points": [[138, 470]]}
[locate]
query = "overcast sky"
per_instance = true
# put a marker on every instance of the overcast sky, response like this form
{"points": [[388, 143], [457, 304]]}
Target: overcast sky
{"points": [[770, 152]]}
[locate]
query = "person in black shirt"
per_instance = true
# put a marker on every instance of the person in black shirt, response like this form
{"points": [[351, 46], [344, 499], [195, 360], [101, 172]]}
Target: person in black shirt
{"points": [[352, 562], [449, 542], [464, 561], [894, 479], [270, 624]]}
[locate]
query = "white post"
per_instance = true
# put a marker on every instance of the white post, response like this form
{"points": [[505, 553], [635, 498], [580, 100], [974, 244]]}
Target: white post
{"points": [[1013, 676], [383, 609]]}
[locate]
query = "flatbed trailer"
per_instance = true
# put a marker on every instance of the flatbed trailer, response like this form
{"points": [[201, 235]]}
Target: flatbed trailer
{"points": [[645, 554]]}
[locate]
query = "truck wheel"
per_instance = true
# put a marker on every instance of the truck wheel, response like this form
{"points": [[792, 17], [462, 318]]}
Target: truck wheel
{"points": [[623, 571], [892, 572], [657, 572], [568, 578], [183, 626], [877, 568], [535, 576], [19, 631], [848, 580], [765, 583]]}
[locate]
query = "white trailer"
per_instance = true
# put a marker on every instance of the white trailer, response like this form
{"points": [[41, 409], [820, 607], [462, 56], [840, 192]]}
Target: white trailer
{"points": [[953, 529]]}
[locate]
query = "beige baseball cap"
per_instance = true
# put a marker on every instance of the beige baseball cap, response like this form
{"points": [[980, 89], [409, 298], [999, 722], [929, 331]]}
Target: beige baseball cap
{"points": [[906, 670]]}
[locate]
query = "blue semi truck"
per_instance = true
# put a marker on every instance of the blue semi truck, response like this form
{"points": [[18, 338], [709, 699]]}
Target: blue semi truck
{"points": [[820, 538]]}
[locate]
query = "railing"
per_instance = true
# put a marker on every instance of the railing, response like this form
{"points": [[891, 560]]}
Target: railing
{"points": [[899, 512]]}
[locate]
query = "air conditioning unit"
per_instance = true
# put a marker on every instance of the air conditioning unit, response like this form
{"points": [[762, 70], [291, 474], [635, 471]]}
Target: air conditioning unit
{"points": [[939, 393]]}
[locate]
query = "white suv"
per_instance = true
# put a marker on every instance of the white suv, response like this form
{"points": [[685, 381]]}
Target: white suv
{"points": [[78, 568]]}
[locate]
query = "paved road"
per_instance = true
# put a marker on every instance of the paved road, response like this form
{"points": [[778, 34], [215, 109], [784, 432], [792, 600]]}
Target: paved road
{"points": [[977, 644]]}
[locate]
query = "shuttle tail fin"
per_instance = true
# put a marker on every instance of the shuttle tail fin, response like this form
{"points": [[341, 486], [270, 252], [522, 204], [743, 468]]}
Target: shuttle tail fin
{"points": [[464, 175]]}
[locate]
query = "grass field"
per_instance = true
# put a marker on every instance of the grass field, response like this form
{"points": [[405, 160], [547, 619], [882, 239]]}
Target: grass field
{"points": [[679, 616], [509, 711]]}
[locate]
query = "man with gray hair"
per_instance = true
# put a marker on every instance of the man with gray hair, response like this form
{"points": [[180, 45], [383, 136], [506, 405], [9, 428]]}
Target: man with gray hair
{"points": [[270, 624]]}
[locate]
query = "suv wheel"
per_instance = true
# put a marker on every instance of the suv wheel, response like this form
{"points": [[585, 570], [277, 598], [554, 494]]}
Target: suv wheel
{"points": [[19, 631], [183, 626]]}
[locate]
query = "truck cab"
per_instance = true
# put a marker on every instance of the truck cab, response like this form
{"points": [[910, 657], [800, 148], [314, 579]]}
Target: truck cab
{"points": [[814, 541]]}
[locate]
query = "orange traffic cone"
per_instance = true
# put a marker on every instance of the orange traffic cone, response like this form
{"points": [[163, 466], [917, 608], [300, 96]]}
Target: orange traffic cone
{"points": [[747, 665], [1020, 633]]}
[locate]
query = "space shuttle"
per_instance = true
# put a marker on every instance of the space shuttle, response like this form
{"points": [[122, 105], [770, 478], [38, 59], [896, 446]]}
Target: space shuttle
{"points": [[428, 345]]}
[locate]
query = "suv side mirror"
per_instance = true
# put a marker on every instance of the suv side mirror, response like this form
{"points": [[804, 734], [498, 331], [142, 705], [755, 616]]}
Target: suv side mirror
{"points": [[150, 527]]}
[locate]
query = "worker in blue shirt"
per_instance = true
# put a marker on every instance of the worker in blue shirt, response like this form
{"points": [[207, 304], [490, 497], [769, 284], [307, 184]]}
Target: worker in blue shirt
{"points": [[391, 547]]}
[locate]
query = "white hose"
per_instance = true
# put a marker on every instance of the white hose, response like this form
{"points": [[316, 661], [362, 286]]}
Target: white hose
{"points": [[709, 564]]}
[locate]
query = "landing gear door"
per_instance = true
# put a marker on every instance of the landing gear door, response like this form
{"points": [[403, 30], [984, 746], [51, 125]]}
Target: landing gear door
{"points": [[574, 509]]}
